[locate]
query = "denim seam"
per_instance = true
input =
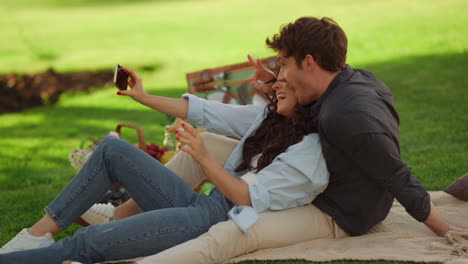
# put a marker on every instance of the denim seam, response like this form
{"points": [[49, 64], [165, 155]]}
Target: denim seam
{"points": [[58, 212], [119, 155], [129, 240], [152, 234], [83, 186]]}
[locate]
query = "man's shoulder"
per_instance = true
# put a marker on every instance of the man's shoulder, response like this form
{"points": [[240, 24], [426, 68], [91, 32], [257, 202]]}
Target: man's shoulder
{"points": [[357, 85], [358, 92], [348, 122], [356, 103]]}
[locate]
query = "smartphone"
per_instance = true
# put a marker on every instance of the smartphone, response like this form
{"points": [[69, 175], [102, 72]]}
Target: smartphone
{"points": [[120, 78]]}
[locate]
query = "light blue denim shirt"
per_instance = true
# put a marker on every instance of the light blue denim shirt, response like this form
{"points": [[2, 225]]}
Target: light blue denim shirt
{"points": [[294, 178]]}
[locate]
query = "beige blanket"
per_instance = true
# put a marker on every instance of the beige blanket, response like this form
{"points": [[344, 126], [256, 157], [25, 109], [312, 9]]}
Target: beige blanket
{"points": [[398, 238]]}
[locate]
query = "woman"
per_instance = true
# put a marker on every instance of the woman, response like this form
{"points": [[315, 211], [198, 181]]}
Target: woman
{"points": [[277, 165]]}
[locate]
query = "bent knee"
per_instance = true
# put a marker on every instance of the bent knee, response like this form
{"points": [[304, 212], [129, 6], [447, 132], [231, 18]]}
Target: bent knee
{"points": [[112, 141], [226, 240], [111, 144]]}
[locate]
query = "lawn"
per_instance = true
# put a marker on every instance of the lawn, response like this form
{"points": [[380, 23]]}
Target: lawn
{"points": [[418, 48]]}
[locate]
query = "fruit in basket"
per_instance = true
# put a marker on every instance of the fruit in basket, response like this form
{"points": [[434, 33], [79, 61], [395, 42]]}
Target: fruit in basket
{"points": [[155, 151], [153, 147]]}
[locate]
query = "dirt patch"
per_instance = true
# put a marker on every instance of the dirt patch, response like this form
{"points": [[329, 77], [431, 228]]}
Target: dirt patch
{"points": [[22, 91]]}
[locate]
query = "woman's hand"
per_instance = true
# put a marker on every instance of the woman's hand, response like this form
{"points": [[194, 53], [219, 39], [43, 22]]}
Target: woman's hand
{"points": [[137, 91], [233, 188], [261, 76], [194, 145]]}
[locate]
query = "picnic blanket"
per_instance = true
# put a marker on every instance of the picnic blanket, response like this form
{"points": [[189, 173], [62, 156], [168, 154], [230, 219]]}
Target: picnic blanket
{"points": [[398, 238]]}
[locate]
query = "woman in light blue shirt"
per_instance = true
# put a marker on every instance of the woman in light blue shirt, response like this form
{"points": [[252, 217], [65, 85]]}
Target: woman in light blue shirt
{"points": [[278, 164]]}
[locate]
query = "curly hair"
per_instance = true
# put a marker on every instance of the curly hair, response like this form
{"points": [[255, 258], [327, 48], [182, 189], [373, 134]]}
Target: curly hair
{"points": [[275, 134], [321, 38]]}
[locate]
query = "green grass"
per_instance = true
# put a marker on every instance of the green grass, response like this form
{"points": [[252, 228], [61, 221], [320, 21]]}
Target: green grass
{"points": [[418, 48]]}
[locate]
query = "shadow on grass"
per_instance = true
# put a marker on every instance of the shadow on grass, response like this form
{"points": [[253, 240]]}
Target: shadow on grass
{"points": [[35, 152], [430, 94]]}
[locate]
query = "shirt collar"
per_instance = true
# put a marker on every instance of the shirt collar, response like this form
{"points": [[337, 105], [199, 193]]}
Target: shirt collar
{"points": [[339, 78]]}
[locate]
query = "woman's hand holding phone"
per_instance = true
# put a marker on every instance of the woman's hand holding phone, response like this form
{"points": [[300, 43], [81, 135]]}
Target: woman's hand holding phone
{"points": [[177, 107], [137, 92]]}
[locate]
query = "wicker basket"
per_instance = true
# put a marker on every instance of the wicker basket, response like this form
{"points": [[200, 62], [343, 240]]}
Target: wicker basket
{"points": [[141, 137]]}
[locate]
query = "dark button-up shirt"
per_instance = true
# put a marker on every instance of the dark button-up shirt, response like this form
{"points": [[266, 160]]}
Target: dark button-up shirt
{"points": [[359, 133]]}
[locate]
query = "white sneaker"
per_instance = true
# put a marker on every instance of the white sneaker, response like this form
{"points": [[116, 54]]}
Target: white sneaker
{"points": [[24, 241], [99, 214]]}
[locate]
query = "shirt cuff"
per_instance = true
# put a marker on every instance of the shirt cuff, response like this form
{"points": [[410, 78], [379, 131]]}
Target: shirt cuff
{"points": [[422, 214], [243, 216], [260, 197], [195, 109]]}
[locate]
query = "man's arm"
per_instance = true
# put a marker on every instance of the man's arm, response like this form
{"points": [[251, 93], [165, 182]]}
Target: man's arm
{"points": [[377, 155], [436, 222]]}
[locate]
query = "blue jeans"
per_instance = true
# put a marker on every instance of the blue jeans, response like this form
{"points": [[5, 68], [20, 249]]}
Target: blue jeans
{"points": [[172, 212]]}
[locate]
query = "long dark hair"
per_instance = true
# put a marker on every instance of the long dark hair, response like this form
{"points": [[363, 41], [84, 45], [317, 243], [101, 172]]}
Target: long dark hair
{"points": [[275, 134]]}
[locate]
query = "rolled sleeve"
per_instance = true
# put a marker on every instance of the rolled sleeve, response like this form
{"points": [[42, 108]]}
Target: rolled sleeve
{"points": [[293, 179], [195, 110], [243, 216], [222, 119], [362, 137], [379, 158], [259, 197], [288, 183]]}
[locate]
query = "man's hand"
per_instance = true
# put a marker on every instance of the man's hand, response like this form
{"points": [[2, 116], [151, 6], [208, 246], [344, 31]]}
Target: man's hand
{"points": [[261, 74], [137, 92]]}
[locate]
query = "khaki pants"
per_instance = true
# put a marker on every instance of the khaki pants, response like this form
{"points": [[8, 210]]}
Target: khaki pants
{"points": [[225, 240], [182, 164]]}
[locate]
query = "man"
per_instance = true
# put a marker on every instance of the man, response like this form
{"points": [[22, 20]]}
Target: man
{"points": [[358, 126]]}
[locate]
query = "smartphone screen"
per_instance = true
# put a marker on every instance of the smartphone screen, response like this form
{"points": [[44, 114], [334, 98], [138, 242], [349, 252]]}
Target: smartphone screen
{"points": [[120, 78]]}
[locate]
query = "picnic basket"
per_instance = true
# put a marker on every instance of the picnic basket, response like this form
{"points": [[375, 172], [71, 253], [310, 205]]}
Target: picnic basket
{"points": [[227, 83]]}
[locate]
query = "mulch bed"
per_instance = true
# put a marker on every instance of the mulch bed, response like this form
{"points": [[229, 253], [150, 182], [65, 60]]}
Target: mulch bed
{"points": [[22, 91]]}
